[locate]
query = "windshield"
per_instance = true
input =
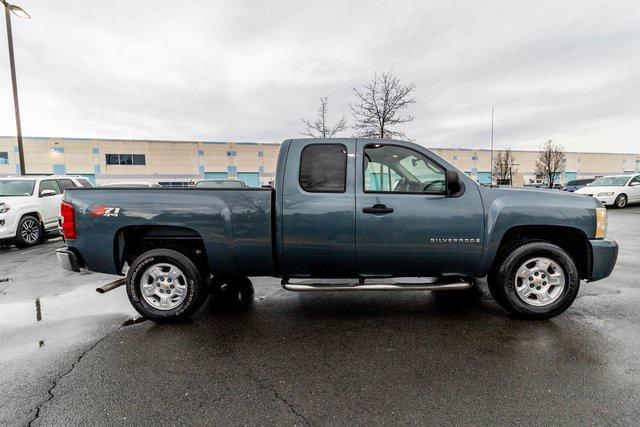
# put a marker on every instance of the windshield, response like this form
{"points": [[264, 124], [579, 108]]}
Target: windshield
{"points": [[610, 181], [16, 187], [219, 184]]}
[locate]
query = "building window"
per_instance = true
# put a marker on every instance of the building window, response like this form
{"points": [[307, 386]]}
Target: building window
{"points": [[4, 158], [126, 159]]}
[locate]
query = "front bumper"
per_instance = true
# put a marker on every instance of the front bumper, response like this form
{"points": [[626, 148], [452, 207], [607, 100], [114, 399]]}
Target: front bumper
{"points": [[7, 227], [67, 259], [604, 254], [606, 200]]}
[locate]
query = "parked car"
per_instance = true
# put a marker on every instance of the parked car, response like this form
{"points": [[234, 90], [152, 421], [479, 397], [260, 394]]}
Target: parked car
{"points": [[577, 184], [132, 184], [221, 183], [614, 190], [30, 205], [345, 215]]}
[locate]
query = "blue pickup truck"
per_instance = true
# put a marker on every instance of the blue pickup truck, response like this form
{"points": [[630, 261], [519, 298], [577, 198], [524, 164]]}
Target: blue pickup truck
{"points": [[345, 215]]}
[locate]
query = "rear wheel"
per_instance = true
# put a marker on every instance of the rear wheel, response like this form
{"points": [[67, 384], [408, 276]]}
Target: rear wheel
{"points": [[165, 286], [29, 232], [621, 201], [537, 280], [233, 293]]}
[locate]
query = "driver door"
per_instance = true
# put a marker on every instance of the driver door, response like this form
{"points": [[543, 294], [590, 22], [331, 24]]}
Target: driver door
{"points": [[406, 223]]}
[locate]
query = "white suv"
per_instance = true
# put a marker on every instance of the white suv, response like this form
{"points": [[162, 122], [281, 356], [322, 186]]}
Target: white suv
{"points": [[30, 205]]}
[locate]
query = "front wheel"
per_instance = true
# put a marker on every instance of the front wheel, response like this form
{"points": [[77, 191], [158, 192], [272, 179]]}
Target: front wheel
{"points": [[165, 286], [30, 231], [538, 280], [621, 201]]}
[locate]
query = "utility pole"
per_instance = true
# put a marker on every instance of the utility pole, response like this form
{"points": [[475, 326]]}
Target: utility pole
{"points": [[18, 11], [491, 146]]}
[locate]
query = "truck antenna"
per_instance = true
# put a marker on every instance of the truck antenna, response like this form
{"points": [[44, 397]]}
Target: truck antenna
{"points": [[491, 178]]}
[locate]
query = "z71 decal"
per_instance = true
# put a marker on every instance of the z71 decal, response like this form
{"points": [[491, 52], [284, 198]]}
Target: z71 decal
{"points": [[102, 210]]}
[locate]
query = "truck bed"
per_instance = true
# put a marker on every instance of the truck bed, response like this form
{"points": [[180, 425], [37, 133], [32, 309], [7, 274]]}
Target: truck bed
{"points": [[234, 224]]}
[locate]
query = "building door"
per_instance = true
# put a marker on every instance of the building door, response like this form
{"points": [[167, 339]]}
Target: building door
{"points": [[252, 179], [484, 177]]}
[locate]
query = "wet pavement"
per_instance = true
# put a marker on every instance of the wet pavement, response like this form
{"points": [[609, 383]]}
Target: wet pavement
{"points": [[66, 356]]}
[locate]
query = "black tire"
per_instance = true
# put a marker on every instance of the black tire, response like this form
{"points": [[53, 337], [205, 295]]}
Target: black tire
{"points": [[195, 286], [27, 226], [621, 201], [232, 294], [502, 282]]}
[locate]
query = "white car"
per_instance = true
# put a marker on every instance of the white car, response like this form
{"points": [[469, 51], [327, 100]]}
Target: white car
{"points": [[30, 205], [614, 190], [132, 184]]}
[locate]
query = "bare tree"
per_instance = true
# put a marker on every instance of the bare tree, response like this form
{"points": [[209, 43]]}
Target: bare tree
{"points": [[320, 128], [380, 104], [551, 162], [504, 166]]}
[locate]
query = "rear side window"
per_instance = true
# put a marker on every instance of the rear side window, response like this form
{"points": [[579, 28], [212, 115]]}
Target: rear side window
{"points": [[66, 183], [84, 183], [323, 168], [49, 184]]}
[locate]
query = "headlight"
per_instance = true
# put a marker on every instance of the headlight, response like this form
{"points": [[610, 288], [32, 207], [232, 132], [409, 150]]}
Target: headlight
{"points": [[606, 193], [601, 223], [4, 207]]}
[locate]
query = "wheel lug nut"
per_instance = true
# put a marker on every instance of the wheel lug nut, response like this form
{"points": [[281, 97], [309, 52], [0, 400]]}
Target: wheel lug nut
{"points": [[531, 278], [172, 286], [535, 274], [531, 285], [538, 287], [544, 283]]}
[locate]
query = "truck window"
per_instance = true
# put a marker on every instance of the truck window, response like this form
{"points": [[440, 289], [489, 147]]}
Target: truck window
{"points": [[323, 168], [66, 183], [395, 169]]}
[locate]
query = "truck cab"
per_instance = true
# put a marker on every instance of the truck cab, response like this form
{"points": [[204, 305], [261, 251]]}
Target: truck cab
{"points": [[371, 208]]}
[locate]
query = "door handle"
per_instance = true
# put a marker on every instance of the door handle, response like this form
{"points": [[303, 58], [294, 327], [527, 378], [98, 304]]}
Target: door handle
{"points": [[377, 209]]}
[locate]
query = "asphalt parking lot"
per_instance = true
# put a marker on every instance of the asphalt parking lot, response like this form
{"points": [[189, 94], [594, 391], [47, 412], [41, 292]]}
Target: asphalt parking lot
{"points": [[69, 356]]}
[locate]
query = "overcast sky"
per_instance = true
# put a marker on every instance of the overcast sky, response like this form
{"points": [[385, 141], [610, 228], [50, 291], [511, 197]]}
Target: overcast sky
{"points": [[247, 71]]}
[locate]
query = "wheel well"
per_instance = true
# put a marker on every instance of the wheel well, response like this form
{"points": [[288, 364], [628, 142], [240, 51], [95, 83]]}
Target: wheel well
{"points": [[572, 240], [133, 241], [36, 214]]}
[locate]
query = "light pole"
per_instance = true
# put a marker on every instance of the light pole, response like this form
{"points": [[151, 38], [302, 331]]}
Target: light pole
{"points": [[18, 11]]}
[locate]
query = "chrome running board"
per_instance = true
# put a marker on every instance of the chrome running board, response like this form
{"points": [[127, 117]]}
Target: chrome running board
{"points": [[387, 284]]}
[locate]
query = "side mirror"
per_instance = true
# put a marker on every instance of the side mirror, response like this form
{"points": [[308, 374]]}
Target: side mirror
{"points": [[47, 193], [454, 186]]}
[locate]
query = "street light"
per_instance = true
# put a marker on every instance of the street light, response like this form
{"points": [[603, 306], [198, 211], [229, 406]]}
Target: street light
{"points": [[21, 13]]}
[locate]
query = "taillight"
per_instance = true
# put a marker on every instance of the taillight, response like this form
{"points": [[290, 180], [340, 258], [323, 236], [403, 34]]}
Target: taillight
{"points": [[68, 215]]}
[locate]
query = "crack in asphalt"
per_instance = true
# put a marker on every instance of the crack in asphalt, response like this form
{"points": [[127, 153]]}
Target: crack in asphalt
{"points": [[73, 365], [266, 386]]}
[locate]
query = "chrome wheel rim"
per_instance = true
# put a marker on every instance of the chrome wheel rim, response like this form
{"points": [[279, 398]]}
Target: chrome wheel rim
{"points": [[622, 201], [539, 281], [163, 286], [30, 231]]}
